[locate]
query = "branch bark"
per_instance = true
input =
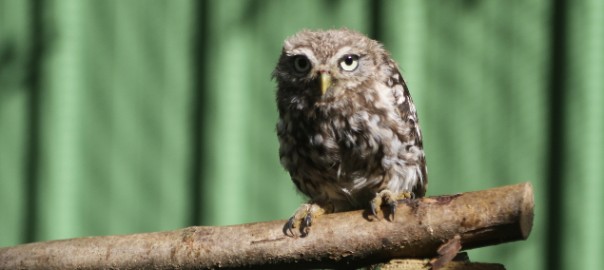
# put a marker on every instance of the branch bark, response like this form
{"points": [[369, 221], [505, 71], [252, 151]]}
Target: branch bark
{"points": [[346, 239]]}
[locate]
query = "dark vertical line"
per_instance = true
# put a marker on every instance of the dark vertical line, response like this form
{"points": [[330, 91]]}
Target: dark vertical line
{"points": [[32, 158], [557, 125], [376, 19], [200, 56]]}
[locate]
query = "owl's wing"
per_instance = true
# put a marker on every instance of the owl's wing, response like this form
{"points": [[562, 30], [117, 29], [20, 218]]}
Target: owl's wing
{"points": [[406, 109]]}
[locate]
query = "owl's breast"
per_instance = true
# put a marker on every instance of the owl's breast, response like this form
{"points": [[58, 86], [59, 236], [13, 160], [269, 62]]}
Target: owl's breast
{"points": [[336, 146], [340, 150], [308, 145]]}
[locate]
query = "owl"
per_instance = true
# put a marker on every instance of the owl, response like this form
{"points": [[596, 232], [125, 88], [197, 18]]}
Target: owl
{"points": [[348, 129]]}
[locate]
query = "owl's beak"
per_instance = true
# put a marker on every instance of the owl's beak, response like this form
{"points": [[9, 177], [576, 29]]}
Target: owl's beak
{"points": [[325, 82]]}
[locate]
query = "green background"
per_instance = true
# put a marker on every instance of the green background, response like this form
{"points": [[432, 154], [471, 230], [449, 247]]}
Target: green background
{"points": [[124, 116]]}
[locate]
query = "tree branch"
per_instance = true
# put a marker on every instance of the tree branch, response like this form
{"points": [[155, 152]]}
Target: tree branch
{"points": [[481, 218]]}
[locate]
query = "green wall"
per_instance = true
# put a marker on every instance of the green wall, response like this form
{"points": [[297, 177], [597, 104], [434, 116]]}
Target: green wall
{"points": [[126, 116]]}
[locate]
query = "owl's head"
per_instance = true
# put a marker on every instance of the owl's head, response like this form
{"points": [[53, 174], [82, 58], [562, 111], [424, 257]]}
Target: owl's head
{"points": [[321, 64]]}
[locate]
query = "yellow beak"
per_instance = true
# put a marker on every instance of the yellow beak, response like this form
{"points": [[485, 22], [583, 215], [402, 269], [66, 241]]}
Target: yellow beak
{"points": [[325, 82]]}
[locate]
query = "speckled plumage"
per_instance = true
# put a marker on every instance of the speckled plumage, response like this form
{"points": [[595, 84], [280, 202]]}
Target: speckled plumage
{"points": [[358, 141]]}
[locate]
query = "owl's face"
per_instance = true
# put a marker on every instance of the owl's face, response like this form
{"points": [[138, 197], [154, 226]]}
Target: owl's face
{"points": [[325, 65]]}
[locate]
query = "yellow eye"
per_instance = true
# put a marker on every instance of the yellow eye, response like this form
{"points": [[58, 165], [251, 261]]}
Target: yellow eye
{"points": [[301, 64], [349, 62]]}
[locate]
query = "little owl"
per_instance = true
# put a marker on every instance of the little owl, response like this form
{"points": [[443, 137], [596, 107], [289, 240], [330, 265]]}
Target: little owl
{"points": [[348, 130]]}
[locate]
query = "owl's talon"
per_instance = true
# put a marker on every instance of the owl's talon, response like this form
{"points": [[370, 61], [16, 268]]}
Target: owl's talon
{"points": [[373, 210], [389, 198], [302, 219], [375, 205], [288, 228], [392, 205], [304, 231], [308, 220]]}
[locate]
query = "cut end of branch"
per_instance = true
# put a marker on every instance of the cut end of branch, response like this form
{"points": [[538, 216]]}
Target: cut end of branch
{"points": [[526, 210]]}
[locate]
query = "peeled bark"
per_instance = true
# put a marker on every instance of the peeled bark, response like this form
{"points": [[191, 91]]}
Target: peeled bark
{"points": [[480, 218]]}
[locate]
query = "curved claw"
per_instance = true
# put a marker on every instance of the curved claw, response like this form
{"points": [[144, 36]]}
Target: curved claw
{"points": [[305, 228], [389, 198], [302, 219], [392, 205], [307, 220], [288, 228], [373, 210]]}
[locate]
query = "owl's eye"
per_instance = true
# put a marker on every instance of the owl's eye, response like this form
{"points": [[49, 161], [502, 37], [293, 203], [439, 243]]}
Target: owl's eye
{"points": [[349, 62], [301, 64]]}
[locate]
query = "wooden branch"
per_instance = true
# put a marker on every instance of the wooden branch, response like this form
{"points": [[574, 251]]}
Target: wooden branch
{"points": [[343, 239], [419, 264]]}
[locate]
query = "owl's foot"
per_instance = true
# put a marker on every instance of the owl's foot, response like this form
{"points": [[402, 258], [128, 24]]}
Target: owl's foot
{"points": [[302, 219], [389, 198]]}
